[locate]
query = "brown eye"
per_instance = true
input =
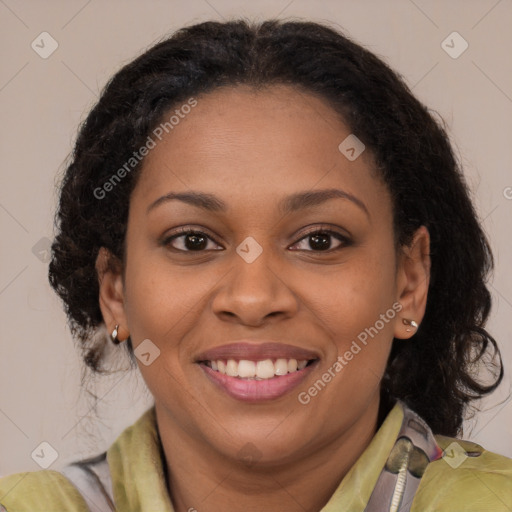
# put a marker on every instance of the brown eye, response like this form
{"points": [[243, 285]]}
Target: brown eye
{"points": [[189, 240], [321, 240]]}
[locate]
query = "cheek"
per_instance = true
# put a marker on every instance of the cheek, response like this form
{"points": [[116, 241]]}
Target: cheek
{"points": [[352, 297], [160, 295], [160, 304]]}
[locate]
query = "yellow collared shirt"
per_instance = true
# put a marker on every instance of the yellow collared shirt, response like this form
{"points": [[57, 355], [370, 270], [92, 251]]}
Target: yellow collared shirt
{"points": [[478, 484]]}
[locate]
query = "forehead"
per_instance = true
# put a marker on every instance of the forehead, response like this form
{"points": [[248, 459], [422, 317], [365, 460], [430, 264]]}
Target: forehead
{"points": [[249, 144]]}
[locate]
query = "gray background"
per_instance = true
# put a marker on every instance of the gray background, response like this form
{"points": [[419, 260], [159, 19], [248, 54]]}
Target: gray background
{"points": [[42, 101]]}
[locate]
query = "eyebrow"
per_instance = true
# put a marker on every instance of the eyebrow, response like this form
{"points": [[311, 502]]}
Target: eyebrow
{"points": [[289, 204]]}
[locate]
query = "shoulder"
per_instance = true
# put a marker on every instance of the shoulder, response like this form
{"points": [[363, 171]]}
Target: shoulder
{"points": [[39, 490], [468, 475]]}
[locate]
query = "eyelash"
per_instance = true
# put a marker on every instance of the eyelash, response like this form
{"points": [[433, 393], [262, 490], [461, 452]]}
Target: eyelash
{"points": [[181, 232]]}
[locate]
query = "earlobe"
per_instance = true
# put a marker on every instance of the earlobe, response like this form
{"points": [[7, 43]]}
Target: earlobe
{"points": [[111, 293], [413, 278]]}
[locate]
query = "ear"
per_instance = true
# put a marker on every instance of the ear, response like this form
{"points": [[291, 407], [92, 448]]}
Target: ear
{"points": [[413, 278], [111, 296]]}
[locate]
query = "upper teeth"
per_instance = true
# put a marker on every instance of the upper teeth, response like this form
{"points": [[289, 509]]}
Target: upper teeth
{"points": [[257, 369]]}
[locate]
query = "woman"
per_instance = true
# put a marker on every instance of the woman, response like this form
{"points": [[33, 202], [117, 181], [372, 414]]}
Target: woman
{"points": [[278, 232]]}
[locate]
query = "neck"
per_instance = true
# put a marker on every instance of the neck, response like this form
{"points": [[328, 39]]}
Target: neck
{"points": [[201, 479]]}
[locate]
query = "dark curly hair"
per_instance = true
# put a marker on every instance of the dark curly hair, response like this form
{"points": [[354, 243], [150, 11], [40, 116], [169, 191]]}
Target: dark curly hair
{"points": [[435, 372]]}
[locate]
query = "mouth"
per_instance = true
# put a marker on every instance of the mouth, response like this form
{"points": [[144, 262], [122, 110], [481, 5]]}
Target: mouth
{"points": [[250, 372]]}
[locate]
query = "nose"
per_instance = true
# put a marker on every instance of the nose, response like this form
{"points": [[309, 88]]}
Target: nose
{"points": [[252, 293]]}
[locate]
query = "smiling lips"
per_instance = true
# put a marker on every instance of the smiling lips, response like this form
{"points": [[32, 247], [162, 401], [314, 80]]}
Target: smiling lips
{"points": [[255, 372]]}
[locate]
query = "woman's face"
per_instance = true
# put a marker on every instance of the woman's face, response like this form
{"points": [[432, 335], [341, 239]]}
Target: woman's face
{"points": [[254, 285]]}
